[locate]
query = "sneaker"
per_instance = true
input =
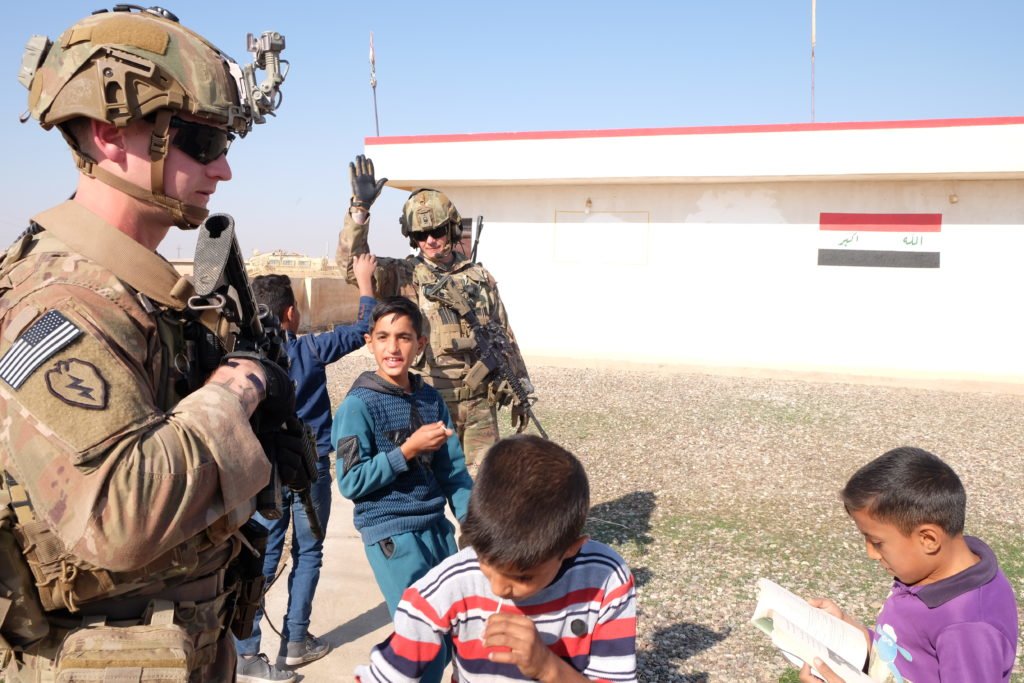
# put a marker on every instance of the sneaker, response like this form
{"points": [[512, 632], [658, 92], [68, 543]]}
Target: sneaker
{"points": [[304, 652], [257, 669]]}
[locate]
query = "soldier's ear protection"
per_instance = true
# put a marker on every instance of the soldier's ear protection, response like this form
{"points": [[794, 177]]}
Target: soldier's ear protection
{"points": [[455, 233]]}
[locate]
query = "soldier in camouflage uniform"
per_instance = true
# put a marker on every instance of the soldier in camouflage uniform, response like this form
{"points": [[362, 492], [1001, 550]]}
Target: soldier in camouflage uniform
{"points": [[124, 477], [433, 225]]}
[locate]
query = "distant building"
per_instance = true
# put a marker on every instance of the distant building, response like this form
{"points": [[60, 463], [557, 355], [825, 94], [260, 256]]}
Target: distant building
{"points": [[289, 263], [184, 266], [869, 248], [323, 297]]}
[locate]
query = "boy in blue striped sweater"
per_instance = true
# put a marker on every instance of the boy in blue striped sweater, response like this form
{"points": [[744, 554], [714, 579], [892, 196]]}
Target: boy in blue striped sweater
{"points": [[400, 460]]}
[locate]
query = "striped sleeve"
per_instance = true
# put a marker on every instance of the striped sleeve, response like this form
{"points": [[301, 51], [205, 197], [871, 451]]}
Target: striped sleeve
{"points": [[613, 643], [407, 652]]}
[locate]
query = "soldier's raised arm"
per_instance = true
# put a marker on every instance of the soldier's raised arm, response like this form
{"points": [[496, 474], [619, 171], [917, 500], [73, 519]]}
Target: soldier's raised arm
{"points": [[353, 238], [391, 275]]}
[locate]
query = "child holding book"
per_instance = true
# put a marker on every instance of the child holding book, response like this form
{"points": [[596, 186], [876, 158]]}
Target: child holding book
{"points": [[399, 460], [531, 597], [951, 614]]}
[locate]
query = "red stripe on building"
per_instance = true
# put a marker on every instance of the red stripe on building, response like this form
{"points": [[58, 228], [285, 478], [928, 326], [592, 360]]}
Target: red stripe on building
{"points": [[692, 130], [881, 222]]}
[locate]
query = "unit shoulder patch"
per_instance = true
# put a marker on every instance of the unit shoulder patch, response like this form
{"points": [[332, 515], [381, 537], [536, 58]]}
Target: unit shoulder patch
{"points": [[78, 383], [45, 337]]}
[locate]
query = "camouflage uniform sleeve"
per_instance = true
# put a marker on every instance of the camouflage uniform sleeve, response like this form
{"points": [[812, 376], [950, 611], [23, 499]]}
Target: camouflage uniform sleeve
{"points": [[499, 314], [392, 277], [117, 479]]}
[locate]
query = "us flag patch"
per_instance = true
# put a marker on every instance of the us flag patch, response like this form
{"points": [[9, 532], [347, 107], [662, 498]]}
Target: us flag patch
{"points": [[47, 336]]}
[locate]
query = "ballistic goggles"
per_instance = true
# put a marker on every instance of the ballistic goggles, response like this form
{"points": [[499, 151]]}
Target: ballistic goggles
{"points": [[203, 143], [436, 233]]}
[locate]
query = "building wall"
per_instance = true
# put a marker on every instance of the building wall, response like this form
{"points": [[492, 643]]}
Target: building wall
{"points": [[324, 302], [726, 274]]}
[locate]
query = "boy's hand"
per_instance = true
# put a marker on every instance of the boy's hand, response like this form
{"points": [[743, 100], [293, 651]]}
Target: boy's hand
{"points": [[829, 606], [363, 266], [830, 676], [525, 648], [426, 439]]}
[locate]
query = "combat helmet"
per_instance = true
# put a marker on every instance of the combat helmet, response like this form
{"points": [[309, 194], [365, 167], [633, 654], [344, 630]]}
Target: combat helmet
{"points": [[132, 63], [426, 210]]}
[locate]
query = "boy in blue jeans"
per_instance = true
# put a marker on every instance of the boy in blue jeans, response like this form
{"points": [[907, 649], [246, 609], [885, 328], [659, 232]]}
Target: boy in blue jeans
{"points": [[399, 459], [951, 614], [309, 357]]}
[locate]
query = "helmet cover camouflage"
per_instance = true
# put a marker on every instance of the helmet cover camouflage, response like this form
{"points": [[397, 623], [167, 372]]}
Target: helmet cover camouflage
{"points": [[121, 66], [427, 209]]}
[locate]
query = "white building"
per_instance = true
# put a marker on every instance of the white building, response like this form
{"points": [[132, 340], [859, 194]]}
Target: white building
{"points": [[712, 246]]}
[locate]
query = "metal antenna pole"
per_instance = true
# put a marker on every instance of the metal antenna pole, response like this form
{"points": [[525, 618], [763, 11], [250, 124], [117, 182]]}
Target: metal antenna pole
{"points": [[814, 18], [373, 84]]}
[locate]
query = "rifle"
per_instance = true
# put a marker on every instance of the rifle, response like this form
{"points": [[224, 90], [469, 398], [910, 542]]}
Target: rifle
{"points": [[221, 283], [491, 343], [478, 228]]}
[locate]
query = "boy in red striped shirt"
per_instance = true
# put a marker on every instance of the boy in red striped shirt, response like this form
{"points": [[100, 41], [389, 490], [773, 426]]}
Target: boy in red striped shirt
{"points": [[531, 597]]}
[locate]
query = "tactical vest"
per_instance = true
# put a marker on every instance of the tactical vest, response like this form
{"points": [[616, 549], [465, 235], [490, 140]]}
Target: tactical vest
{"points": [[62, 580], [451, 350]]}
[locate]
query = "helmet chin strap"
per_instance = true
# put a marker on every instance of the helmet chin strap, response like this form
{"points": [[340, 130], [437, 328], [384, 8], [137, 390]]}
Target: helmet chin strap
{"points": [[441, 259], [184, 216]]}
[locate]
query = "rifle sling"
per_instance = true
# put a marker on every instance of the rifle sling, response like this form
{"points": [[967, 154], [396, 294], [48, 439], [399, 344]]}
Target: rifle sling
{"points": [[143, 270]]}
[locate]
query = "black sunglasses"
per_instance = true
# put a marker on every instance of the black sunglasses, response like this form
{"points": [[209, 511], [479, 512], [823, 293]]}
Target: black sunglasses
{"points": [[436, 233], [203, 143]]}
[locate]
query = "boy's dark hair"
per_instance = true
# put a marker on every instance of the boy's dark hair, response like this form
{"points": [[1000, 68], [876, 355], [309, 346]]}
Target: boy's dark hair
{"points": [[400, 306], [908, 487], [275, 292], [529, 503]]}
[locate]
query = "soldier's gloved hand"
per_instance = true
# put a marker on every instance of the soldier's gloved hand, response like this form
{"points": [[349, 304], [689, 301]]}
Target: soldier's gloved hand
{"points": [[296, 460], [365, 188], [520, 419], [278, 402]]}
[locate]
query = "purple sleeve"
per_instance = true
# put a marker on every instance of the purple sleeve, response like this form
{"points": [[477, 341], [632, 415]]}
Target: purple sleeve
{"points": [[974, 651]]}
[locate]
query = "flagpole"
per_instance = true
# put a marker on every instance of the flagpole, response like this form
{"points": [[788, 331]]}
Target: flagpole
{"points": [[814, 21], [373, 84]]}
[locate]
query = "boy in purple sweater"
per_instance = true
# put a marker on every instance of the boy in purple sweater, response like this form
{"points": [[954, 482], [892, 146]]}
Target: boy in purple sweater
{"points": [[951, 613]]}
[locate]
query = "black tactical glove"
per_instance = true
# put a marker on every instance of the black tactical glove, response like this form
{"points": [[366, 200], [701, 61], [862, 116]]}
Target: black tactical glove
{"points": [[365, 189], [279, 403], [293, 450]]}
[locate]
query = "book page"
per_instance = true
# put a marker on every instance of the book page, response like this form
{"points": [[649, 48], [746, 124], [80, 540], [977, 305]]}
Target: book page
{"points": [[804, 632]]}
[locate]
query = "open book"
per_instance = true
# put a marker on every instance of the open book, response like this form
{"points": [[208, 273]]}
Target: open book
{"points": [[803, 632]]}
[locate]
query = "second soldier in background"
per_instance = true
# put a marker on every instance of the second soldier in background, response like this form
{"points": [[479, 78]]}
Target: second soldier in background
{"points": [[434, 227]]}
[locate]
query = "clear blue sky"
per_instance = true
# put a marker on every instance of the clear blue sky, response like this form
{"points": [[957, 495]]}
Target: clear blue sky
{"points": [[458, 67]]}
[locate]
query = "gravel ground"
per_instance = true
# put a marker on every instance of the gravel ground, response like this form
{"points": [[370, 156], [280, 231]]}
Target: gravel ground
{"points": [[706, 483]]}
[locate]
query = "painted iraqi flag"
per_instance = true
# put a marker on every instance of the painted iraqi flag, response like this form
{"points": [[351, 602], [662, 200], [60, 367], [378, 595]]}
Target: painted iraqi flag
{"points": [[879, 240]]}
